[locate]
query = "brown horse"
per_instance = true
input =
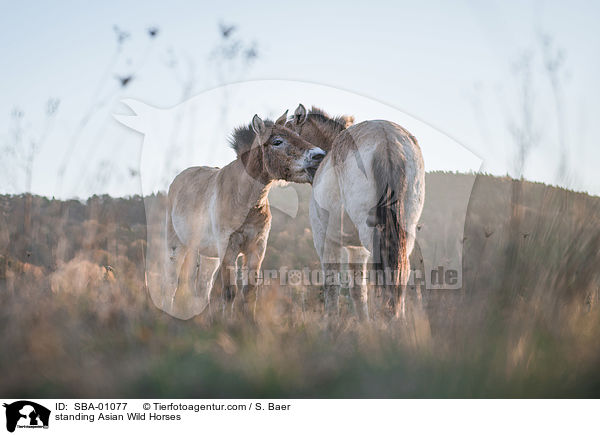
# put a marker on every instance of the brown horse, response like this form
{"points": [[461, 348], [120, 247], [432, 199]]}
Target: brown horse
{"points": [[214, 215], [367, 197]]}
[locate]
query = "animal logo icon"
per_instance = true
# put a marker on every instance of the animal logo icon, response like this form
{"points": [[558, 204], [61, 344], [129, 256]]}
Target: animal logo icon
{"points": [[26, 414]]}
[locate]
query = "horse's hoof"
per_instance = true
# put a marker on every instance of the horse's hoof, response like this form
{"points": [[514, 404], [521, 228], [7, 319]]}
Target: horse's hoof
{"points": [[229, 294]]}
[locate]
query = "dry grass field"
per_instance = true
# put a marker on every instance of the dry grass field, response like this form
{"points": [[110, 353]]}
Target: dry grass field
{"points": [[77, 319]]}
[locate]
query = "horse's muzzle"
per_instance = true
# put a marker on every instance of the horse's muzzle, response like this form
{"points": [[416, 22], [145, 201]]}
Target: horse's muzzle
{"points": [[315, 155]]}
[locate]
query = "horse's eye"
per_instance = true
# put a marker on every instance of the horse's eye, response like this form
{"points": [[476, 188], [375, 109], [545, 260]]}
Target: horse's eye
{"points": [[276, 142]]}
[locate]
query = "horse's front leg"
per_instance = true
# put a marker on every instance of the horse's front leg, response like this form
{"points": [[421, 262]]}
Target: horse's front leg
{"points": [[253, 258], [228, 270]]}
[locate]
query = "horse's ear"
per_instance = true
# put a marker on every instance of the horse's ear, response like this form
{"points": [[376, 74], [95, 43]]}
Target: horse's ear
{"points": [[282, 119], [348, 120], [258, 125], [300, 115]]}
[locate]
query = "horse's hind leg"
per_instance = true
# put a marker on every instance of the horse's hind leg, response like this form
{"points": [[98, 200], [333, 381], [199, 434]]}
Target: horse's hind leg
{"points": [[357, 264], [207, 266], [326, 226], [401, 290], [331, 263], [175, 255], [191, 271]]}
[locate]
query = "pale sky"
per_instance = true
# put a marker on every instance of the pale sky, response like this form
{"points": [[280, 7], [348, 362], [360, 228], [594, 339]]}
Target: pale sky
{"points": [[447, 66]]}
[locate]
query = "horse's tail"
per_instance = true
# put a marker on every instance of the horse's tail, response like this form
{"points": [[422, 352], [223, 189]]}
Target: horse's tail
{"points": [[389, 235]]}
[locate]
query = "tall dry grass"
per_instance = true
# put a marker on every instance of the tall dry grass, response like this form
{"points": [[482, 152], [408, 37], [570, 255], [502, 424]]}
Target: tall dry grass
{"points": [[77, 320]]}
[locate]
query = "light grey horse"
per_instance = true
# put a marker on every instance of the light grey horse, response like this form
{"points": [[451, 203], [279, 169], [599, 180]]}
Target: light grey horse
{"points": [[367, 197]]}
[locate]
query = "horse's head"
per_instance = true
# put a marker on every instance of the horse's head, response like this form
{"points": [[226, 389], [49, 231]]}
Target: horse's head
{"points": [[276, 152], [317, 127]]}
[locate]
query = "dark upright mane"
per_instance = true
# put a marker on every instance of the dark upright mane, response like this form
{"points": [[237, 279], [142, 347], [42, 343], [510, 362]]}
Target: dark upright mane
{"points": [[336, 123], [322, 128], [242, 137]]}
